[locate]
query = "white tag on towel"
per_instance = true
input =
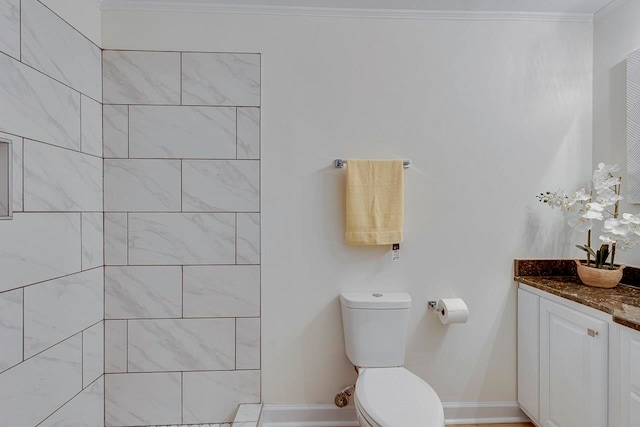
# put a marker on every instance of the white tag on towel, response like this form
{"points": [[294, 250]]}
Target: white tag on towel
{"points": [[395, 252]]}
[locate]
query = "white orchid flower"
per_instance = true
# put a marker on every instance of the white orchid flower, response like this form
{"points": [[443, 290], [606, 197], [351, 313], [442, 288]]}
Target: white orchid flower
{"points": [[593, 210], [607, 239], [630, 218], [616, 226], [580, 223]]}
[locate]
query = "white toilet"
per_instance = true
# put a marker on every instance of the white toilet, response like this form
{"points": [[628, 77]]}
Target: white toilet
{"points": [[375, 334]]}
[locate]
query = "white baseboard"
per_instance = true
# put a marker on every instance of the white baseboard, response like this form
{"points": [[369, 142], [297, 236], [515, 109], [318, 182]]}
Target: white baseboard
{"points": [[332, 416], [483, 413]]}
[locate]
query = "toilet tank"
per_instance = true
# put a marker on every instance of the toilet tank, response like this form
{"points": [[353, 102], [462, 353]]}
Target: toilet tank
{"points": [[375, 327]]}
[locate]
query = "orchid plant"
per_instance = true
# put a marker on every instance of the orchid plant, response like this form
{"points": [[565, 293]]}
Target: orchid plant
{"points": [[602, 203]]}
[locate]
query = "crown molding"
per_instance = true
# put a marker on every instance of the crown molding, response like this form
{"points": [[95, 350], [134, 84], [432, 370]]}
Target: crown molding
{"points": [[613, 5], [206, 6]]}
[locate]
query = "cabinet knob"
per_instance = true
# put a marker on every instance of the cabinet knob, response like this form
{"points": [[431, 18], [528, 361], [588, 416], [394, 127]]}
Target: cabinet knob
{"points": [[592, 333]]}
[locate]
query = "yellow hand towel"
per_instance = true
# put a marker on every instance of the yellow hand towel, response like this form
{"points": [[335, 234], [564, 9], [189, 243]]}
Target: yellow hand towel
{"points": [[375, 202]]}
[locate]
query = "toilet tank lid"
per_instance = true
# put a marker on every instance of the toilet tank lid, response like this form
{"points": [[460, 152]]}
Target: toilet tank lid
{"points": [[376, 300]]}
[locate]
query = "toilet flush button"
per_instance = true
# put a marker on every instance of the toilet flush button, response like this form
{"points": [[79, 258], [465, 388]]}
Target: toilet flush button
{"points": [[376, 295]]}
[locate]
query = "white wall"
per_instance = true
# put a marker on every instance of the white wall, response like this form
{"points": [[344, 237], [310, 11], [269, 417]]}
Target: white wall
{"points": [[490, 113], [615, 36], [82, 15]]}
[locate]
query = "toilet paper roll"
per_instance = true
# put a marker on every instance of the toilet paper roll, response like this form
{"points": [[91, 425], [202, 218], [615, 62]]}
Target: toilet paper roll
{"points": [[452, 310]]}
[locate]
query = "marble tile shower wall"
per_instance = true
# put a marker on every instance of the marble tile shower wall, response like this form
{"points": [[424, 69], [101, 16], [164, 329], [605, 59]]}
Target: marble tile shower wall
{"points": [[182, 230], [51, 252]]}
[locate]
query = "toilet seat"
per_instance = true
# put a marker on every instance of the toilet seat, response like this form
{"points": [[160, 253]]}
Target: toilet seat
{"points": [[395, 397]]}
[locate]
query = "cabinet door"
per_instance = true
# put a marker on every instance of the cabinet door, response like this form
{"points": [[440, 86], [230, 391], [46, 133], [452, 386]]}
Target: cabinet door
{"points": [[528, 352], [573, 368], [629, 378]]}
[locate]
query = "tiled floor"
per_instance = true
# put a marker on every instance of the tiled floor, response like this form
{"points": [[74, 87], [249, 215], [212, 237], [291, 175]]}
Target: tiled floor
{"points": [[497, 425]]}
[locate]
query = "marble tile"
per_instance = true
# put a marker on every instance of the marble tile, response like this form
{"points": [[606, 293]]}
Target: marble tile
{"points": [[32, 390], [221, 291], [248, 133], [221, 185], [92, 236], [230, 388], [60, 180], [248, 412], [115, 346], [182, 238], [135, 77], [245, 424], [181, 344], [59, 308], [92, 353], [10, 328], [142, 399], [34, 106], [10, 27], [248, 248], [115, 238], [248, 343], [183, 132], [143, 292], [115, 120], [86, 409], [90, 126], [54, 47], [141, 185], [221, 79], [17, 143], [38, 246]]}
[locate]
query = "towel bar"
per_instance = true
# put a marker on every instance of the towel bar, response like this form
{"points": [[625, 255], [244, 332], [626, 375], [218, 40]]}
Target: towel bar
{"points": [[340, 163]]}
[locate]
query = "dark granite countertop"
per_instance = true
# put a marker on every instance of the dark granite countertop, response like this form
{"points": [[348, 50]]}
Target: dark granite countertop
{"points": [[559, 277]]}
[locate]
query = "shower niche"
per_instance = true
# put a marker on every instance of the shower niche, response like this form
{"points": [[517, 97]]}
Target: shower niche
{"points": [[5, 179]]}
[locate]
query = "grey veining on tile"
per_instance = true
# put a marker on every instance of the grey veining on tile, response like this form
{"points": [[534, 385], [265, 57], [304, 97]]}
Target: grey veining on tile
{"points": [[221, 185], [10, 328], [92, 353], [115, 346], [221, 291], [230, 388], [248, 343], [32, 390], [56, 179], [91, 126], [38, 246], [181, 344], [181, 238], [221, 79], [59, 308], [92, 236], [143, 399], [142, 185], [135, 77], [143, 292], [10, 27], [34, 106], [248, 238], [86, 409], [115, 238], [116, 131], [249, 133], [52, 46], [183, 132]]}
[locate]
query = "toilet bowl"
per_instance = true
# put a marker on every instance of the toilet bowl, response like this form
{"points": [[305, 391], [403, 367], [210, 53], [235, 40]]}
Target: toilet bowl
{"points": [[386, 394], [395, 397]]}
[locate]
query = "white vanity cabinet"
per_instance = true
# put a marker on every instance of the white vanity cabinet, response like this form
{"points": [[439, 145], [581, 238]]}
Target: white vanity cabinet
{"points": [[573, 368], [562, 363], [629, 377]]}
